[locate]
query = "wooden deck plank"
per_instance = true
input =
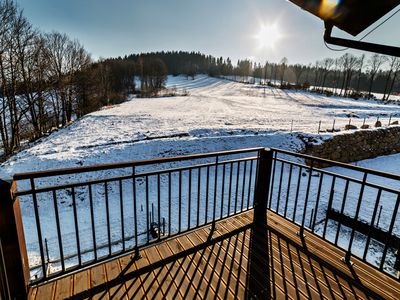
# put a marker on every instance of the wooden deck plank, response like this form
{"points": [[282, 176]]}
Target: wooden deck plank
{"points": [[185, 282], [178, 274], [81, 283], [133, 286], [46, 291], [32, 293], [164, 278], [203, 267], [221, 266], [113, 272], [148, 280], [98, 282], [63, 288], [220, 261]]}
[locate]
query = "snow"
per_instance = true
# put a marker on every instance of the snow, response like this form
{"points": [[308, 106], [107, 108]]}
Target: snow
{"points": [[216, 115]]}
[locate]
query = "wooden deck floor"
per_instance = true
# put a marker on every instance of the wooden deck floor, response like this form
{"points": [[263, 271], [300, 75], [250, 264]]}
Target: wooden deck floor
{"points": [[230, 263]]}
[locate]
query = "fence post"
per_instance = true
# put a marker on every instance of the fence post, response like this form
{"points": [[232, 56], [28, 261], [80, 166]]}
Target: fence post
{"points": [[13, 242], [262, 185]]}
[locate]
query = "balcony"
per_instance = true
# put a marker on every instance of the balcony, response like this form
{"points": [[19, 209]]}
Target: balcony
{"points": [[252, 223]]}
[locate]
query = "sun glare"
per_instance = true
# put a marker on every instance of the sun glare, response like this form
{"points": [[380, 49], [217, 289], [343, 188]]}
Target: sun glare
{"points": [[268, 36], [328, 8]]}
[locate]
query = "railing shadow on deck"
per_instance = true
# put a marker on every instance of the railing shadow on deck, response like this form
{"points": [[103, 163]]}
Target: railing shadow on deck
{"points": [[264, 245]]}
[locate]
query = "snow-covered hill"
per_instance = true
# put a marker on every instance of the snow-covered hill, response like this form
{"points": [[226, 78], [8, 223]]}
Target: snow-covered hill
{"points": [[217, 115]]}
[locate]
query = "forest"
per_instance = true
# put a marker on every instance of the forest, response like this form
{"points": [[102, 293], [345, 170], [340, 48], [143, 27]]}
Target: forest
{"points": [[48, 79]]}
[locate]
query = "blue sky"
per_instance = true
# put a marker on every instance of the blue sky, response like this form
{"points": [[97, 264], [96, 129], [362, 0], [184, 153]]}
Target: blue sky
{"points": [[218, 27]]}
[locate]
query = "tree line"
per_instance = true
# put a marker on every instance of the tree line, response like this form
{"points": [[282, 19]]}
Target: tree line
{"points": [[348, 75]]}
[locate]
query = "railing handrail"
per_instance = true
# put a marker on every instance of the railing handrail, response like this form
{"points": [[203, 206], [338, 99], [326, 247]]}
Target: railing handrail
{"points": [[102, 167], [339, 164]]}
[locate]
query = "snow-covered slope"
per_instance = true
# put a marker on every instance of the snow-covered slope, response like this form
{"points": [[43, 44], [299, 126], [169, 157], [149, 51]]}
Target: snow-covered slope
{"points": [[238, 115]]}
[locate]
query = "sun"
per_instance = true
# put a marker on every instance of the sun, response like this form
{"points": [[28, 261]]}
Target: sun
{"points": [[268, 36]]}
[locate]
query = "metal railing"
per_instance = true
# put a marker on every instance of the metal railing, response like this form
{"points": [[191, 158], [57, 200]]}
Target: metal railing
{"points": [[75, 218], [82, 216], [354, 208]]}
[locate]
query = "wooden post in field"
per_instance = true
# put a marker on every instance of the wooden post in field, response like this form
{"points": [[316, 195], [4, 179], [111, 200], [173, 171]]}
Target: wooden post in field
{"points": [[13, 242]]}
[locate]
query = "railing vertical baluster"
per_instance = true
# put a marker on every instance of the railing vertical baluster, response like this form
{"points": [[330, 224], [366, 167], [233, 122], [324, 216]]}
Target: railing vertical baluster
{"points": [[296, 200], [60, 244], [373, 217], [215, 190], [207, 190], [78, 246], [271, 192], [180, 202], [108, 218], [346, 189], [307, 196], [288, 190], [92, 222], [331, 196], [147, 208], [230, 188], [278, 201], [38, 226], [135, 207], [250, 181], [159, 205], [198, 196], [317, 201], [121, 204], [243, 185], [348, 253], [189, 197], [169, 203], [223, 190], [390, 232], [237, 186]]}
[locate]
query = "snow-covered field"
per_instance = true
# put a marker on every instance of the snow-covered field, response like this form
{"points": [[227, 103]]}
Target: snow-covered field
{"points": [[217, 115]]}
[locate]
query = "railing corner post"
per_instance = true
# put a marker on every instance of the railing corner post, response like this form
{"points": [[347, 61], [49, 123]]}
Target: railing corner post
{"points": [[262, 185], [16, 265]]}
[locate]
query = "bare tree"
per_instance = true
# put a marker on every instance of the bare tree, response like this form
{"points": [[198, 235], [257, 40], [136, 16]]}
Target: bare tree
{"points": [[374, 63], [361, 65], [349, 64], [395, 70], [298, 72], [282, 68], [326, 66]]}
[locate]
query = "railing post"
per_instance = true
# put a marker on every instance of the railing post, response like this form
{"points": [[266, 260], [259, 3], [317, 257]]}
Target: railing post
{"points": [[13, 242], [262, 185]]}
